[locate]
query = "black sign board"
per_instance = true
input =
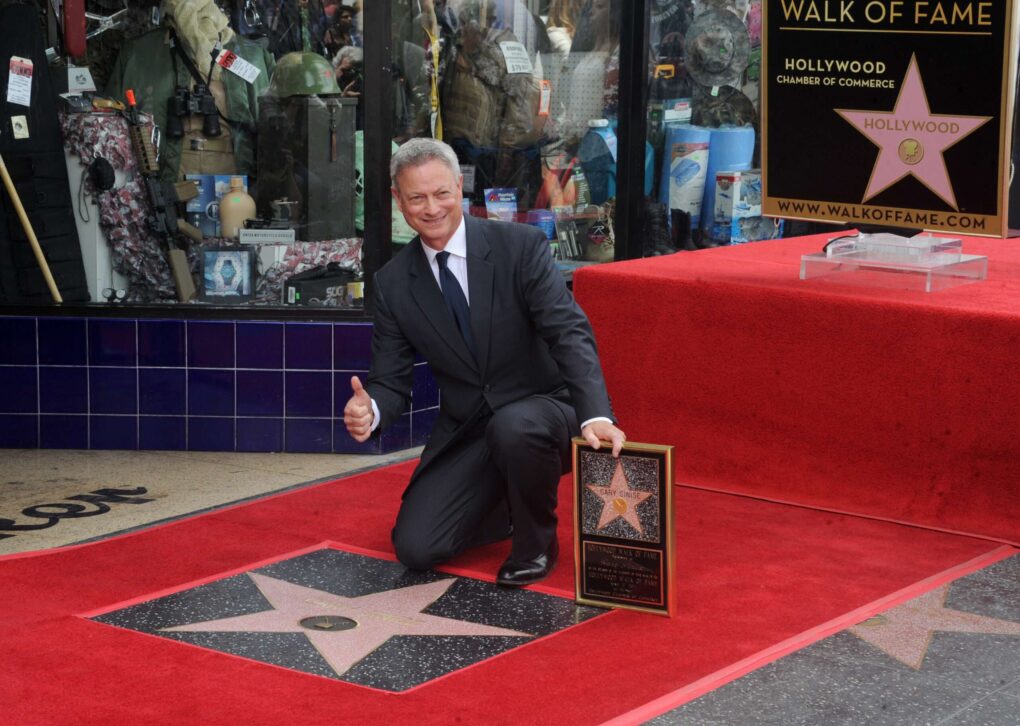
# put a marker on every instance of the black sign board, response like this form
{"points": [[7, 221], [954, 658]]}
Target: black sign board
{"points": [[623, 527], [895, 113]]}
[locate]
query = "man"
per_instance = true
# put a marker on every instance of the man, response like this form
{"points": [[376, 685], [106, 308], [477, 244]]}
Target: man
{"points": [[515, 376]]}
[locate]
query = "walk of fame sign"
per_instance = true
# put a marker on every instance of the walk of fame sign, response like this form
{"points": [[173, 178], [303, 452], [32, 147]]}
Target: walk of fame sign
{"points": [[890, 113], [623, 527]]}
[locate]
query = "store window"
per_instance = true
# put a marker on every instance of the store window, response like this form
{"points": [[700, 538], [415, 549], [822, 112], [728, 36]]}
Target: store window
{"points": [[201, 152], [527, 94], [703, 130]]}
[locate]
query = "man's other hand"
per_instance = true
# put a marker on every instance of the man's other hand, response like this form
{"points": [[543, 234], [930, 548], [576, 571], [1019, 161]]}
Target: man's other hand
{"points": [[358, 414], [598, 432]]}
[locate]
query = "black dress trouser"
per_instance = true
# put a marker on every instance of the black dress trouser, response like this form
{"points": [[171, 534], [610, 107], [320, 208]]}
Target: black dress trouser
{"points": [[511, 462]]}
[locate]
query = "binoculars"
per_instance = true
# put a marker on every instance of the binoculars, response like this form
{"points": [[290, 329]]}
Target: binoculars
{"points": [[190, 103]]}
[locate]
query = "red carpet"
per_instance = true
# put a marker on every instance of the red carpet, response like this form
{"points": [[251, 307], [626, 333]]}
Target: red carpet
{"points": [[752, 574], [890, 403]]}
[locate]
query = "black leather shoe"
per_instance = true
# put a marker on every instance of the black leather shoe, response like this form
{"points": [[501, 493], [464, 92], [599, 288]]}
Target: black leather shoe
{"points": [[517, 573]]}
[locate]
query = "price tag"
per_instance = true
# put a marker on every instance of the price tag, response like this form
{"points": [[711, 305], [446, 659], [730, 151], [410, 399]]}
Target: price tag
{"points": [[545, 98], [516, 57], [19, 81], [79, 80], [238, 65]]}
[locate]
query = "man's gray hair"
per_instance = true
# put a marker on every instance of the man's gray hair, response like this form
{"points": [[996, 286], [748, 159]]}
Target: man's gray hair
{"points": [[421, 150]]}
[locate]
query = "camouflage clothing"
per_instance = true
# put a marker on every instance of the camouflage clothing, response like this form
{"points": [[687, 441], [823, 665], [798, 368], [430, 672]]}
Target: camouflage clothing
{"points": [[146, 65]]}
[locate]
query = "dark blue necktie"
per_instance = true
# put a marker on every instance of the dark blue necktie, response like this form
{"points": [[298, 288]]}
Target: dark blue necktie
{"points": [[455, 300]]}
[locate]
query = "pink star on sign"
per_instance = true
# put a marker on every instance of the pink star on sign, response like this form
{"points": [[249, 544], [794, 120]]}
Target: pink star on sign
{"points": [[905, 631], [619, 500], [378, 617], [911, 139]]}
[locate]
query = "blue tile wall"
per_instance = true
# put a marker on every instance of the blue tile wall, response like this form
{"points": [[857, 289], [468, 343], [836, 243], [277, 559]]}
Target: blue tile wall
{"points": [[352, 347], [121, 383], [63, 389], [62, 342], [113, 390], [113, 343], [19, 344], [259, 345], [260, 393], [313, 435], [64, 432], [113, 432], [308, 345], [22, 394], [162, 433], [210, 344], [308, 394], [19, 431], [161, 343], [210, 434], [210, 392], [162, 391], [260, 434]]}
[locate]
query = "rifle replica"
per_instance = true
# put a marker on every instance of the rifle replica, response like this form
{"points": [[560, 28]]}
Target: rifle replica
{"points": [[163, 197]]}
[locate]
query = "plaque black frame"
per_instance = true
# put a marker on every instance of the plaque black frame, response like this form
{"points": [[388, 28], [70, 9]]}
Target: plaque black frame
{"points": [[589, 546]]}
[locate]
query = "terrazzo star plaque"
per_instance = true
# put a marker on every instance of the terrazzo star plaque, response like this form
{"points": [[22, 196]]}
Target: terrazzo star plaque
{"points": [[353, 618], [623, 527]]}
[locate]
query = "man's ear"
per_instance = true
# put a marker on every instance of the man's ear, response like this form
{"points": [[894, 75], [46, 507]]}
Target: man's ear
{"points": [[396, 195]]}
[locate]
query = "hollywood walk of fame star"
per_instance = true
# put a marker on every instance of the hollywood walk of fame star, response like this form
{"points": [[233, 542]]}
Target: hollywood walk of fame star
{"points": [[911, 138], [905, 631], [378, 617], [619, 500]]}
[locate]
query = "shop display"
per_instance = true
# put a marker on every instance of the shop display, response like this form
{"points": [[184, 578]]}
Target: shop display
{"points": [[730, 148], [328, 285], [227, 274], [162, 198], [236, 207], [306, 148], [246, 90], [597, 154]]}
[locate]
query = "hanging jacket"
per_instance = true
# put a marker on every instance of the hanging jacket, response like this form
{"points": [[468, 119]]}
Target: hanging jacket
{"points": [[145, 64]]}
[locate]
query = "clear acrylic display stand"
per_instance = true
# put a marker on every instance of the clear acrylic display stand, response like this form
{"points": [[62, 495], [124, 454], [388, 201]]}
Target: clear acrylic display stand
{"points": [[923, 262]]}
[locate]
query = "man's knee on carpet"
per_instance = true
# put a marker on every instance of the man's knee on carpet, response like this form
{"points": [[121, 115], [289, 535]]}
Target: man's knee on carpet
{"points": [[415, 553]]}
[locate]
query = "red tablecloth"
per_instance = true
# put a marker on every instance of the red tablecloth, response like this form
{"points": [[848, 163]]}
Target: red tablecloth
{"points": [[887, 402]]}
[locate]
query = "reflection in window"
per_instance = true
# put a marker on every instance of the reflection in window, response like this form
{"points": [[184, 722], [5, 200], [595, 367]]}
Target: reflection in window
{"points": [[528, 101]]}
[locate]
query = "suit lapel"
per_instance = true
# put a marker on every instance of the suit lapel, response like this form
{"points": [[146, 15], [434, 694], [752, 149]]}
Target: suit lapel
{"points": [[426, 293], [480, 276]]}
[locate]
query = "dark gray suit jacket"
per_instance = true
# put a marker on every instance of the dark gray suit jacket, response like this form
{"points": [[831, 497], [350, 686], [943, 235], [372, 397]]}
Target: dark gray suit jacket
{"points": [[532, 337]]}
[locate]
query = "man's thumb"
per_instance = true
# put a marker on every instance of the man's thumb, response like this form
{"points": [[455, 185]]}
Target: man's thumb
{"points": [[356, 386]]}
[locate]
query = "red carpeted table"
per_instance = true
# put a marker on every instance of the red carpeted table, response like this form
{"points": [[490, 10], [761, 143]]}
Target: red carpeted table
{"points": [[891, 403]]}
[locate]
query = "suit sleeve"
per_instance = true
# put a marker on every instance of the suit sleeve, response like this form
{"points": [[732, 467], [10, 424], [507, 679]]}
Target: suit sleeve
{"points": [[392, 374], [565, 328]]}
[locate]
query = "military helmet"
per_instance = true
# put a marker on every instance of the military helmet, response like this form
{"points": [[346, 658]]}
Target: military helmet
{"points": [[303, 74]]}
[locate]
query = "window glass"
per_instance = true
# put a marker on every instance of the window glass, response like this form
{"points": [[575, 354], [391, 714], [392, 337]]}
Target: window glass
{"points": [[703, 127], [526, 93], [229, 180]]}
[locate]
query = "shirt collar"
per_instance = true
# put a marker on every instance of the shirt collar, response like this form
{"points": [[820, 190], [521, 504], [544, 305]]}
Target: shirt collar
{"points": [[456, 246]]}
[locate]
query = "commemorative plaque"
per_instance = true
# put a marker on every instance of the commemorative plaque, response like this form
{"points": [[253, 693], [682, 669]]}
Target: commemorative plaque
{"points": [[623, 527]]}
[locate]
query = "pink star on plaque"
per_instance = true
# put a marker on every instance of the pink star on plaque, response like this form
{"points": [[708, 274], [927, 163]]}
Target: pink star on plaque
{"points": [[619, 500], [911, 139], [346, 629], [905, 631]]}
